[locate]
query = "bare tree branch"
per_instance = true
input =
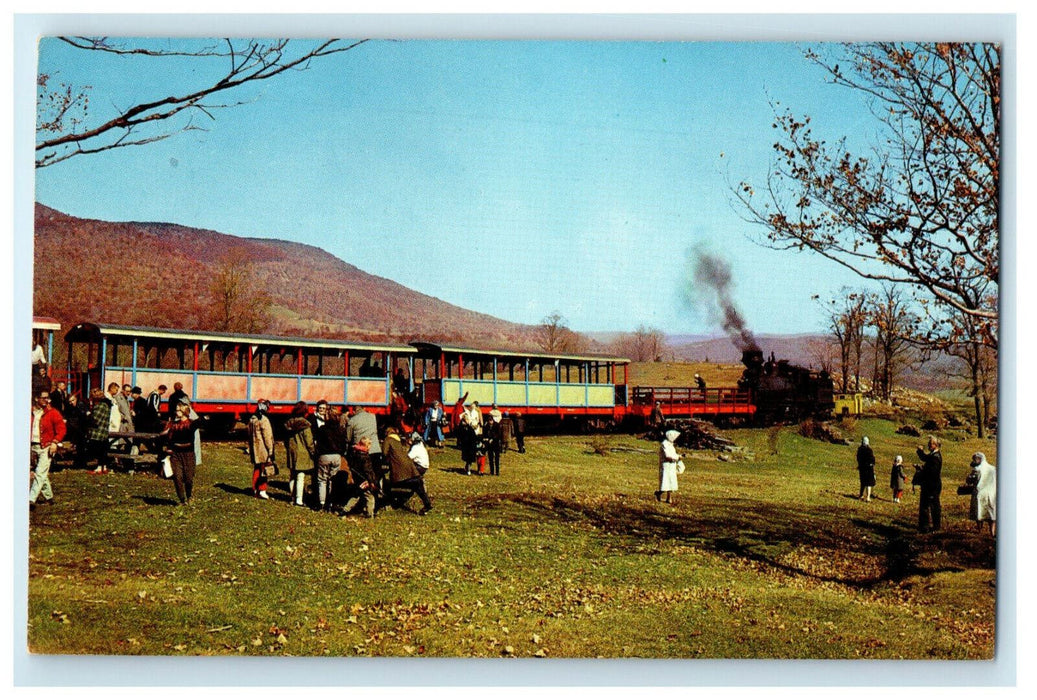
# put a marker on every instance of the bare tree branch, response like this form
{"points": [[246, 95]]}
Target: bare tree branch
{"points": [[61, 138], [921, 209]]}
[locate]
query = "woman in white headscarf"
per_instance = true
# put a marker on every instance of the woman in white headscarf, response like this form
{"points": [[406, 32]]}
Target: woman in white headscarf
{"points": [[983, 508], [897, 478], [866, 468], [668, 459]]}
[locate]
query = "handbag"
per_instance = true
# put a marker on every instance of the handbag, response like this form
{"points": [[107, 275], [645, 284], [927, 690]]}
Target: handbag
{"points": [[167, 467], [680, 466], [269, 469], [969, 487]]}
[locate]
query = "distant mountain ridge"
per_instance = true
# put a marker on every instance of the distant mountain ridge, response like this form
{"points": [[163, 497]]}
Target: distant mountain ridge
{"points": [[158, 274]]}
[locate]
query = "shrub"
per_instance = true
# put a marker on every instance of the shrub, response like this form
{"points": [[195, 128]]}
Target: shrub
{"points": [[848, 424]]}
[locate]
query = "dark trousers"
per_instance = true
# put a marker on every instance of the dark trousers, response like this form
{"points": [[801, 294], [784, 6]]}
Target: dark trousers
{"points": [[98, 449], [183, 473], [82, 455], [928, 509], [415, 485], [493, 456], [520, 442]]}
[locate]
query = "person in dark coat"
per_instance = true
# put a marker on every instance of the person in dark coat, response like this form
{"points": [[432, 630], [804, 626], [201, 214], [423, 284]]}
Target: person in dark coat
{"points": [[656, 420], [299, 454], [518, 431], [331, 443], [59, 397], [897, 478], [174, 400], [866, 469], [466, 441], [403, 473], [155, 404], [366, 479], [41, 383], [179, 436], [77, 422], [930, 484], [493, 435], [141, 412]]}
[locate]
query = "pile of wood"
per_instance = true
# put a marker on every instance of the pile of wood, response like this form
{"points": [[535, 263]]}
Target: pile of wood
{"points": [[695, 435]]}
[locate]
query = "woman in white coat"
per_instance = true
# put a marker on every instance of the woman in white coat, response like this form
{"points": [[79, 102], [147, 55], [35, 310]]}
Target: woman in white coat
{"points": [[668, 459], [983, 508]]}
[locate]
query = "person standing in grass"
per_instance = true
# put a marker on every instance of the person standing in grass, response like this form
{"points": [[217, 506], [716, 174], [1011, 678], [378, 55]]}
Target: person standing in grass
{"points": [[931, 484], [330, 443], [77, 423], [983, 508], [897, 478], [47, 430], [299, 450], [179, 435], [518, 431], [459, 409], [494, 437], [466, 440], [433, 421], [101, 408], [260, 447], [866, 468], [668, 458], [656, 420]]}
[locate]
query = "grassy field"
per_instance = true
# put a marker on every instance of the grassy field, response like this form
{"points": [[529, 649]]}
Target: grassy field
{"points": [[567, 554]]}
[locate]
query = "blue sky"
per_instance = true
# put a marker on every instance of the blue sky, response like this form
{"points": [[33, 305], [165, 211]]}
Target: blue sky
{"points": [[514, 178]]}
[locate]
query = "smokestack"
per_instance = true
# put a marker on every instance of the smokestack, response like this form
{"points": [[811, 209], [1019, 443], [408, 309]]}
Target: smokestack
{"points": [[714, 274]]}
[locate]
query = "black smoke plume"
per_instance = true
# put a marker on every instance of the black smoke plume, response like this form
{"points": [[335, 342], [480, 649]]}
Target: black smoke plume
{"points": [[710, 286]]}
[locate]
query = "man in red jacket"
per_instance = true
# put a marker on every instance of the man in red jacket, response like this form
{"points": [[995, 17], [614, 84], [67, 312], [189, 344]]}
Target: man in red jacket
{"points": [[47, 432]]}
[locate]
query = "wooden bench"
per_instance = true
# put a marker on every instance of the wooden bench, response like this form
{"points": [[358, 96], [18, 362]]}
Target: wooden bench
{"points": [[129, 461]]}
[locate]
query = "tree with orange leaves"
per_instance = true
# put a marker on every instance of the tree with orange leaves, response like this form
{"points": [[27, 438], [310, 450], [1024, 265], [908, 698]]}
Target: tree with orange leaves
{"points": [[920, 208]]}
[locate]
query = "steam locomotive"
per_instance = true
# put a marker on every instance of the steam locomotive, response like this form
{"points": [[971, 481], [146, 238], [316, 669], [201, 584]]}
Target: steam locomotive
{"points": [[783, 392]]}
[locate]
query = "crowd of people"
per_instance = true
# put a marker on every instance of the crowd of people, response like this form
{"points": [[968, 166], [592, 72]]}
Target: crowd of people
{"points": [[339, 462], [119, 419], [335, 461], [348, 468], [980, 483]]}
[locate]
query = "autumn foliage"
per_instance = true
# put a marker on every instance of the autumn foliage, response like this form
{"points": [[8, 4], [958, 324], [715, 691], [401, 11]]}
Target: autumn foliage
{"points": [[166, 275]]}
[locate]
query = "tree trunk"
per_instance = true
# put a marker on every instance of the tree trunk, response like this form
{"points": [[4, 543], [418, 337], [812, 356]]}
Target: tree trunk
{"points": [[977, 393]]}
